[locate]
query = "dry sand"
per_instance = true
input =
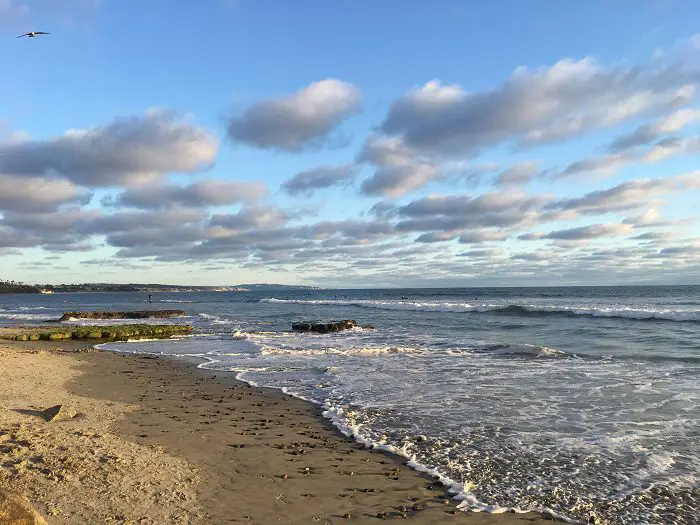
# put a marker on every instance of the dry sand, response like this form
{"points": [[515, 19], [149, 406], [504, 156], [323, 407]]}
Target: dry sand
{"points": [[159, 442]]}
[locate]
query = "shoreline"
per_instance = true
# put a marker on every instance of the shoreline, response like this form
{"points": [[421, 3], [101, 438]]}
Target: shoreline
{"points": [[222, 438]]}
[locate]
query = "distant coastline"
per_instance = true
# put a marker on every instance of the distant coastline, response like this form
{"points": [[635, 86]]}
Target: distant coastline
{"points": [[19, 287], [16, 287]]}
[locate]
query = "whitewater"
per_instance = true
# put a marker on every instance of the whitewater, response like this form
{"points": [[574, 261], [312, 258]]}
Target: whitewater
{"points": [[576, 401]]}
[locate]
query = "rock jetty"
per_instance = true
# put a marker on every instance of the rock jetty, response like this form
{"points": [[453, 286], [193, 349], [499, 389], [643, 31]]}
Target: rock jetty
{"points": [[145, 314], [325, 328]]}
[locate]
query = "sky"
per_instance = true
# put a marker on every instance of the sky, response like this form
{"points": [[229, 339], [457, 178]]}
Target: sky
{"points": [[350, 143]]}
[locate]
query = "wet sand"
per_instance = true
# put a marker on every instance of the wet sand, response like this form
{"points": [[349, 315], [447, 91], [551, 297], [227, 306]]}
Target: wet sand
{"points": [[198, 447]]}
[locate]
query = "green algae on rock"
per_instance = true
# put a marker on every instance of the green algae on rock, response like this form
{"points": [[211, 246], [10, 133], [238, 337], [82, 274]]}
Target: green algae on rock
{"points": [[101, 333]]}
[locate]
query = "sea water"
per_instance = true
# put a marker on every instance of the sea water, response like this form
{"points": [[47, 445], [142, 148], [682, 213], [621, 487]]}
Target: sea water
{"points": [[576, 401]]}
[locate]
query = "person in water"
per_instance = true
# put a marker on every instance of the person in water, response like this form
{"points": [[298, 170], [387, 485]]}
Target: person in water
{"points": [[149, 299]]}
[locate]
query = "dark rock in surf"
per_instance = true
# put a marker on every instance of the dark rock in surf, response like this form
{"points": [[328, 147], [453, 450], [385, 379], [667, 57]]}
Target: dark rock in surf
{"points": [[325, 328], [152, 314]]}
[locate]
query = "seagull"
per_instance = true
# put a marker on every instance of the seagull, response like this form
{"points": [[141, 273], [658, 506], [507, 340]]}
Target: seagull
{"points": [[33, 34]]}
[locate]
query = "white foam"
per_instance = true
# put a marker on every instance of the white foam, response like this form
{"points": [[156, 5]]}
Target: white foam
{"points": [[345, 423], [240, 335], [361, 351], [25, 317], [215, 319], [527, 350]]}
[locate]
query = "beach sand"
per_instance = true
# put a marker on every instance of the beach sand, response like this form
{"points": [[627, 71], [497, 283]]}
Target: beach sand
{"points": [[157, 441]]}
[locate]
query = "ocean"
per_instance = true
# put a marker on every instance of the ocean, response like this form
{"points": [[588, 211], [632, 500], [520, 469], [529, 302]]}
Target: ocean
{"points": [[575, 401]]}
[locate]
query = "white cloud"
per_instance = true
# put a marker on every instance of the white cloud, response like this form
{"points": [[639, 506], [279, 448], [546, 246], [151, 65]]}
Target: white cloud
{"points": [[399, 170], [131, 150], [667, 148], [295, 122], [591, 231], [208, 192], [652, 132], [624, 196], [537, 106], [396, 181], [518, 174], [39, 194], [307, 182], [479, 236]]}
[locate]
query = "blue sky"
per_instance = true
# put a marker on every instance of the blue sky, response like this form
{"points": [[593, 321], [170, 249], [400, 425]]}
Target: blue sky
{"points": [[350, 143]]}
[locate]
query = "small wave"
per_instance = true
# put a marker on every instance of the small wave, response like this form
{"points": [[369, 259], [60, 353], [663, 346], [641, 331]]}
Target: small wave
{"points": [[25, 317], [522, 350], [176, 301], [23, 308], [362, 351], [215, 319], [528, 310]]}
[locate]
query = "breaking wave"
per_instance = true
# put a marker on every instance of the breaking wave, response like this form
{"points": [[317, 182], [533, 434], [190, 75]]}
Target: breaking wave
{"points": [[525, 310], [366, 351]]}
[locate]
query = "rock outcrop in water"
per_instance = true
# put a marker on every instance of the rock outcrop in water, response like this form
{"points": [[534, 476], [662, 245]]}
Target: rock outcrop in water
{"points": [[146, 314], [122, 332], [324, 328]]}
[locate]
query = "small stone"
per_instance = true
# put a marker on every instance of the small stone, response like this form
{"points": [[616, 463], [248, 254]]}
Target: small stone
{"points": [[58, 413]]}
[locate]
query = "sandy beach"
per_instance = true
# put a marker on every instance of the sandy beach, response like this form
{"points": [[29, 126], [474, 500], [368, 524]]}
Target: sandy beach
{"points": [[158, 441]]}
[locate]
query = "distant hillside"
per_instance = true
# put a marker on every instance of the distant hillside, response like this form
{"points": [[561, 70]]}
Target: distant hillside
{"points": [[132, 287], [266, 286], [17, 287]]}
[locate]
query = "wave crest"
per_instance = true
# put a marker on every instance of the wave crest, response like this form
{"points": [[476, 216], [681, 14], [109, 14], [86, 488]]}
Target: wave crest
{"points": [[525, 310], [361, 351]]}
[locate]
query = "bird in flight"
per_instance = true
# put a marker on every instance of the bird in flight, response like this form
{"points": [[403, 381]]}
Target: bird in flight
{"points": [[33, 34]]}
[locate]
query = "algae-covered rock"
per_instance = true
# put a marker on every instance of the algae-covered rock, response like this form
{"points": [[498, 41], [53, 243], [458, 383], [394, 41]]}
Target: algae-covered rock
{"points": [[55, 336], [87, 333], [111, 333], [16, 510], [324, 328], [146, 314]]}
